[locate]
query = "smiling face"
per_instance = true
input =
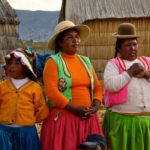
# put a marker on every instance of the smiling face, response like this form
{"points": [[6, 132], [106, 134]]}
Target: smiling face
{"points": [[70, 42], [129, 49], [15, 69]]}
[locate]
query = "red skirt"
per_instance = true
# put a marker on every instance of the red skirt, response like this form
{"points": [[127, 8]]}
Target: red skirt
{"points": [[63, 130]]}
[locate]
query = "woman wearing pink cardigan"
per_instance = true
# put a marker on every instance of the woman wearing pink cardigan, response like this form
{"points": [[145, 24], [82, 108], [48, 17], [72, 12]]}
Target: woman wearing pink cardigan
{"points": [[127, 82]]}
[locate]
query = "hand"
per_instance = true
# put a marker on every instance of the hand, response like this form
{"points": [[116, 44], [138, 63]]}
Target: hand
{"points": [[84, 112], [146, 74], [81, 111], [91, 111], [94, 108], [140, 74], [143, 74], [136, 70]]}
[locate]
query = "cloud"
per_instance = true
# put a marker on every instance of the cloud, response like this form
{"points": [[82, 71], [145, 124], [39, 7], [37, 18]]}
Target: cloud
{"points": [[49, 5]]}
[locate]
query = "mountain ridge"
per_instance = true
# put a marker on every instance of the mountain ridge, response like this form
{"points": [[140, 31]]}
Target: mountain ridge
{"points": [[36, 25]]}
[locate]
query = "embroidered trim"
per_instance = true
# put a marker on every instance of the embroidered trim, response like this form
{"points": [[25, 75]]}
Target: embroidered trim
{"points": [[122, 64], [143, 60], [89, 73], [62, 84], [65, 67]]}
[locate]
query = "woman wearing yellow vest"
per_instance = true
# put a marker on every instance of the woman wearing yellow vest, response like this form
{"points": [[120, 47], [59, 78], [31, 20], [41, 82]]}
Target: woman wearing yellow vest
{"points": [[73, 90], [127, 84]]}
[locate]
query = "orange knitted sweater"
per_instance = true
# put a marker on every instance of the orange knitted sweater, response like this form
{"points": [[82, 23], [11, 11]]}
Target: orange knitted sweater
{"points": [[23, 106], [80, 83]]}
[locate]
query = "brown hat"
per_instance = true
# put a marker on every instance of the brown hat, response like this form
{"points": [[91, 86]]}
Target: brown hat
{"points": [[65, 25], [126, 30]]}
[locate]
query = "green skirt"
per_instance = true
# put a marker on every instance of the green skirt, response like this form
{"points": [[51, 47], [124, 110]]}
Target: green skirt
{"points": [[125, 132]]}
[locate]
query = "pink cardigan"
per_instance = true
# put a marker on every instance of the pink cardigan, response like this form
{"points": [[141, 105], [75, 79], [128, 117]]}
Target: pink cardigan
{"points": [[114, 98]]}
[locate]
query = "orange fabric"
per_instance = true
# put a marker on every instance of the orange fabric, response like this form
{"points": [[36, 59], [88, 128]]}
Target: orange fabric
{"points": [[23, 106], [80, 83]]}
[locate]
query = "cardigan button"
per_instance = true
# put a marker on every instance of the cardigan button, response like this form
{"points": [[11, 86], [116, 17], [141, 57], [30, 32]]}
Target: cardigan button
{"points": [[144, 106]]}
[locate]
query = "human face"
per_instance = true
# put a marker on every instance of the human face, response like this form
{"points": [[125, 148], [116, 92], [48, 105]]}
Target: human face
{"points": [[15, 69], [70, 42], [129, 49]]}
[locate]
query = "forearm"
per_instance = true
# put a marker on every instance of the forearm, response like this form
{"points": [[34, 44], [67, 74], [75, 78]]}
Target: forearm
{"points": [[96, 105], [50, 77], [70, 107], [113, 80]]}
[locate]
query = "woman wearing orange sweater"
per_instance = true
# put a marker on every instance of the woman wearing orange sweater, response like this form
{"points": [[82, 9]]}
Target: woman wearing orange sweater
{"points": [[73, 90]]}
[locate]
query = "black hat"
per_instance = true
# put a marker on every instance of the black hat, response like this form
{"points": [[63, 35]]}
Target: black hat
{"points": [[93, 140]]}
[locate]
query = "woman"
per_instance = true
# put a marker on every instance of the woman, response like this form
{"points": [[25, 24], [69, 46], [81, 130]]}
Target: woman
{"points": [[73, 88], [126, 81]]}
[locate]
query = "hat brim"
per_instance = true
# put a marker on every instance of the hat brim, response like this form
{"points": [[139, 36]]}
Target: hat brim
{"points": [[84, 31], [89, 145], [124, 36]]}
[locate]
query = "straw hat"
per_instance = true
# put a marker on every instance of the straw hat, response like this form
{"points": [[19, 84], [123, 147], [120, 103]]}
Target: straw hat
{"points": [[126, 30], [65, 25]]}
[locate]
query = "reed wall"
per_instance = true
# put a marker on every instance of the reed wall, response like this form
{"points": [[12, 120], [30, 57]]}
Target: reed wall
{"points": [[100, 45]]}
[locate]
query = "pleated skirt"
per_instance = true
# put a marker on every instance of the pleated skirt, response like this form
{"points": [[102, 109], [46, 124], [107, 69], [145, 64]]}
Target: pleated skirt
{"points": [[126, 132], [64, 131], [19, 138]]}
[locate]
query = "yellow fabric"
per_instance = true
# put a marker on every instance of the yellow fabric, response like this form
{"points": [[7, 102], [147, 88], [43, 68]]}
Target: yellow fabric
{"points": [[137, 114], [23, 106], [80, 83]]}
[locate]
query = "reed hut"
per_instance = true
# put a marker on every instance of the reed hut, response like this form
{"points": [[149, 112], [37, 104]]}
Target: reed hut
{"points": [[103, 18], [8, 23], [8, 31]]}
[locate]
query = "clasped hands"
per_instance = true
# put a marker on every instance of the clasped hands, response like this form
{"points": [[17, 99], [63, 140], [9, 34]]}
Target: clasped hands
{"points": [[86, 112], [82, 111], [138, 71]]}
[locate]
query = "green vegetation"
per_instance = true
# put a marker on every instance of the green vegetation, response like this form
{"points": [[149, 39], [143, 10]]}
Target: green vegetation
{"points": [[37, 46]]}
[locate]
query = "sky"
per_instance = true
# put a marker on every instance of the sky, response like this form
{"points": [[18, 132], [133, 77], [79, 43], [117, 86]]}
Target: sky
{"points": [[46, 5]]}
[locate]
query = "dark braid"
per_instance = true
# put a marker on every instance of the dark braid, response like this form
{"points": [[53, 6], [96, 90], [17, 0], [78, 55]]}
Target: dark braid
{"points": [[118, 45], [116, 50]]}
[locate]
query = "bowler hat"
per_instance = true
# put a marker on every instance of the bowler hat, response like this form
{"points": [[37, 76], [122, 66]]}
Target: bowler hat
{"points": [[126, 30], [65, 25]]}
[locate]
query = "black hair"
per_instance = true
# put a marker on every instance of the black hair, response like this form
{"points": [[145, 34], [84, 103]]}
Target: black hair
{"points": [[29, 74], [57, 40], [118, 45], [97, 138], [119, 42]]}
